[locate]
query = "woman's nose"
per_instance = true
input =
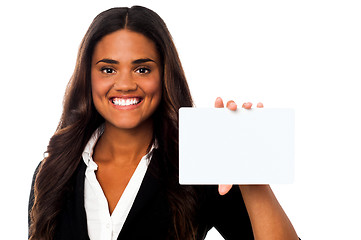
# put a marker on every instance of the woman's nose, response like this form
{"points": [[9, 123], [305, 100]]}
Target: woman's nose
{"points": [[125, 82]]}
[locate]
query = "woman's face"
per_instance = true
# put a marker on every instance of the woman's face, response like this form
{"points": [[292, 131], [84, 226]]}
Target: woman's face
{"points": [[126, 79]]}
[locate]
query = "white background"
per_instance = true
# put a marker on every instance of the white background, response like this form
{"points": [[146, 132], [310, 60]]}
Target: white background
{"points": [[304, 55]]}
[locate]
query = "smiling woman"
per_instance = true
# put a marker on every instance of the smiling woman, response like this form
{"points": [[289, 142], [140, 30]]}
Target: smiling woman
{"points": [[111, 171], [126, 90]]}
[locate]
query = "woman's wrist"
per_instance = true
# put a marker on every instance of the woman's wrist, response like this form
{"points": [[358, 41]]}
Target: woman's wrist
{"points": [[255, 190]]}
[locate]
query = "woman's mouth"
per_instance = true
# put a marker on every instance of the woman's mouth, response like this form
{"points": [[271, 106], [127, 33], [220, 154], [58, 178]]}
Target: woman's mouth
{"points": [[123, 102]]}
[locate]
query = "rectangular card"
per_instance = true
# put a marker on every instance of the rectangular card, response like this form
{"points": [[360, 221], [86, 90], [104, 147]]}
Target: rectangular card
{"points": [[219, 146]]}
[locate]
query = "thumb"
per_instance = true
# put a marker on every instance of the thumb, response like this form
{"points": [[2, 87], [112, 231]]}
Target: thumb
{"points": [[223, 189]]}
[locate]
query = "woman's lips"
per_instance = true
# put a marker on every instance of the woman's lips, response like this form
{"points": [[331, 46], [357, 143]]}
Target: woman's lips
{"points": [[125, 103]]}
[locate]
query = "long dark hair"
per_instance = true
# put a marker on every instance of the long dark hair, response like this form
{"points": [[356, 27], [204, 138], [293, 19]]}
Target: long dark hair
{"points": [[80, 119]]}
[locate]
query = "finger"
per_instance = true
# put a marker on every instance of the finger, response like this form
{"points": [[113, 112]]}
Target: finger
{"points": [[231, 105], [223, 189], [260, 105], [247, 105], [219, 103]]}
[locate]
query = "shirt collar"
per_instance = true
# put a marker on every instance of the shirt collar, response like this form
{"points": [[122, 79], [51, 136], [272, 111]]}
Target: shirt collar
{"points": [[88, 150], [149, 155]]}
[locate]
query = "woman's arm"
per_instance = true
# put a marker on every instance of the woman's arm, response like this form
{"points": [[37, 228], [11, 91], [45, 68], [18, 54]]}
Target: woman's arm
{"points": [[267, 217]]}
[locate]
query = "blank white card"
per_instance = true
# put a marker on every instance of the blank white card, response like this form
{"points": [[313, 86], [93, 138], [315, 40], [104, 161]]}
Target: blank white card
{"points": [[219, 146]]}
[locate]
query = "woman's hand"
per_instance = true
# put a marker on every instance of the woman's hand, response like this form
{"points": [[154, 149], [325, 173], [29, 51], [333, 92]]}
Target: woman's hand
{"points": [[231, 105]]}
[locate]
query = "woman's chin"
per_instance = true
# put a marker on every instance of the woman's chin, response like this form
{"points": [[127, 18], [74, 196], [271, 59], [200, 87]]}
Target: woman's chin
{"points": [[129, 125]]}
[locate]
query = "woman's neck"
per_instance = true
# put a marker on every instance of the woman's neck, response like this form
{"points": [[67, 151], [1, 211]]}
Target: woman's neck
{"points": [[123, 146]]}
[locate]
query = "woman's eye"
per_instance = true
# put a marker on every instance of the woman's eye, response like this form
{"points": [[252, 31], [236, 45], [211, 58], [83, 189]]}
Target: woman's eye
{"points": [[107, 70], [143, 70]]}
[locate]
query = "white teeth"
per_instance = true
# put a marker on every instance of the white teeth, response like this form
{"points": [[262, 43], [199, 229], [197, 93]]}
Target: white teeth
{"points": [[125, 102]]}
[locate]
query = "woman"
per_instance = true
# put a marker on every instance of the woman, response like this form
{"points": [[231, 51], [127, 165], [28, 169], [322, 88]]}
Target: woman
{"points": [[111, 170]]}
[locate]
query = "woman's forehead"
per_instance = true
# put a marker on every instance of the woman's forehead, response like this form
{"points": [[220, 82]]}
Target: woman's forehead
{"points": [[125, 45]]}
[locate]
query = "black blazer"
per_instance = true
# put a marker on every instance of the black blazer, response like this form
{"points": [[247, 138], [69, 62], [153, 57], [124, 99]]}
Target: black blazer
{"points": [[150, 216]]}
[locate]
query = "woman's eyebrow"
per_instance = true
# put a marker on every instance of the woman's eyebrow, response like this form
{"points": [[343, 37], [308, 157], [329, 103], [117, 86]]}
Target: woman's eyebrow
{"points": [[137, 61], [107, 60], [142, 60]]}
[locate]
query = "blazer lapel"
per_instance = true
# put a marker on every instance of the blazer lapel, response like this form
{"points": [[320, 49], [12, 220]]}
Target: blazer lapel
{"points": [[149, 215], [80, 227], [72, 219], [148, 189]]}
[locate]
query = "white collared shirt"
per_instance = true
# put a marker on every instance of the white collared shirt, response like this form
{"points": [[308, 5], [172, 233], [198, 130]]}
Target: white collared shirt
{"points": [[102, 225]]}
